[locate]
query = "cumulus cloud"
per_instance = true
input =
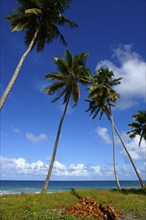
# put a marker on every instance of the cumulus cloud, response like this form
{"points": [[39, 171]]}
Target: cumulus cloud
{"points": [[36, 139], [14, 166], [11, 167], [97, 169], [75, 170], [132, 68], [78, 170], [103, 133], [137, 152], [20, 167]]}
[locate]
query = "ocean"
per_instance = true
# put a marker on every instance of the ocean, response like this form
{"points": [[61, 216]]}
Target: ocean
{"points": [[14, 187]]}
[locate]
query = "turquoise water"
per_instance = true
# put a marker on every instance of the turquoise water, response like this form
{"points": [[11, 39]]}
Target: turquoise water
{"points": [[12, 186]]}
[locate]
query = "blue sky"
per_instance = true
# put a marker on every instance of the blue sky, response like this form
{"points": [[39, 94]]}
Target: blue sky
{"points": [[114, 34]]}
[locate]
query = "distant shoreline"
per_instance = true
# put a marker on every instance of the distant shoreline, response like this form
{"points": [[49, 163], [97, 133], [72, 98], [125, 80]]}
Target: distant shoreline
{"points": [[27, 186]]}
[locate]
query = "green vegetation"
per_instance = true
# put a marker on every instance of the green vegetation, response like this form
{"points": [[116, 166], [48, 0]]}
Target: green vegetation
{"points": [[138, 127], [72, 71], [40, 20], [102, 97], [49, 206]]}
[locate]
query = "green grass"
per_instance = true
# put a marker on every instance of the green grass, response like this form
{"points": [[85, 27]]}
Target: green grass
{"points": [[49, 206]]}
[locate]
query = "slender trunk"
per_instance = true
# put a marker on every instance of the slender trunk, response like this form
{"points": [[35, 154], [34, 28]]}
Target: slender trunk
{"points": [[45, 186], [114, 153], [15, 75], [140, 180]]}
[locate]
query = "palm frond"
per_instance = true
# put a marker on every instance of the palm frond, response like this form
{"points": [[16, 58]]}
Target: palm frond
{"points": [[61, 65], [75, 93], [139, 126], [18, 22], [115, 82], [58, 96], [54, 87], [29, 35], [80, 59], [41, 38], [35, 11], [57, 34], [61, 5], [63, 21], [55, 76], [68, 58], [67, 94]]}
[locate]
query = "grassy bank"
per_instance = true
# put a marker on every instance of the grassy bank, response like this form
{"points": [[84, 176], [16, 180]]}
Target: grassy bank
{"points": [[49, 206]]}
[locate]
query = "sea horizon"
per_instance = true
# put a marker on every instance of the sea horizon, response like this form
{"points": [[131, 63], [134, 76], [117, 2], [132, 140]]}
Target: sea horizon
{"points": [[35, 186]]}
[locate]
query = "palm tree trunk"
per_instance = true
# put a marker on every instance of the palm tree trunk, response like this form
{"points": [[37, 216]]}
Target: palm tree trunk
{"points": [[140, 180], [15, 75], [114, 153], [45, 187]]}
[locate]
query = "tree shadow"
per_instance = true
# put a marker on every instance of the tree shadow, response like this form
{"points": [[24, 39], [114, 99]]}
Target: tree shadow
{"points": [[74, 193]]}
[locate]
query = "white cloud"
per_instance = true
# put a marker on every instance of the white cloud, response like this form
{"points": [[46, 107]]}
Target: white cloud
{"points": [[103, 133], [78, 170], [97, 169], [132, 69], [74, 170], [59, 165], [12, 168], [36, 139], [137, 152]]}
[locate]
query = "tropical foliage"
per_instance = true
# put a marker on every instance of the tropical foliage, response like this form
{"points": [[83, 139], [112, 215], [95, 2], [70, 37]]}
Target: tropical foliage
{"points": [[139, 126], [41, 21], [45, 16], [72, 70], [102, 98], [101, 94]]}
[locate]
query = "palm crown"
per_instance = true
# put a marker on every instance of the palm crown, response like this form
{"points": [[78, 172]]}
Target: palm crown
{"points": [[101, 94], [139, 126], [71, 71], [42, 15]]}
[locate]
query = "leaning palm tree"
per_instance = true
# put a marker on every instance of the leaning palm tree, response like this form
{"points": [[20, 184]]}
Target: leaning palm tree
{"points": [[71, 71], [139, 126], [102, 98], [40, 20]]}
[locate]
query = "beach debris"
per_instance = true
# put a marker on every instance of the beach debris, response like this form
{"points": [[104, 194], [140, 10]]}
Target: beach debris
{"points": [[87, 207]]}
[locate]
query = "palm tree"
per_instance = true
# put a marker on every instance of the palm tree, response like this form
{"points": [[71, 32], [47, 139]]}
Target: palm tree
{"points": [[71, 71], [139, 126], [102, 98], [40, 20]]}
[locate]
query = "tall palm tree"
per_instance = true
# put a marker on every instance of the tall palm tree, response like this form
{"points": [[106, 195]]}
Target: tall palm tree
{"points": [[71, 71], [40, 20], [139, 126], [101, 99]]}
